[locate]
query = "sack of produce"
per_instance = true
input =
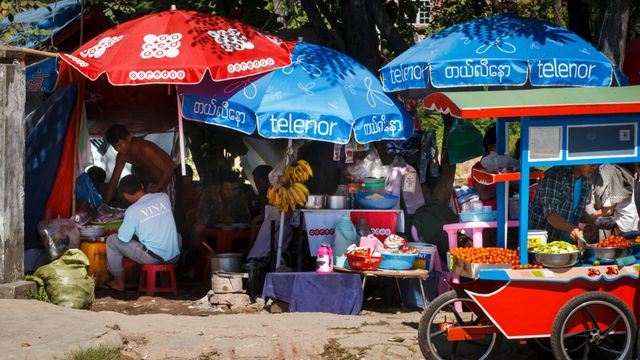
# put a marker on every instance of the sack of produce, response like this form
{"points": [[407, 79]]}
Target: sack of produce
{"points": [[65, 280]]}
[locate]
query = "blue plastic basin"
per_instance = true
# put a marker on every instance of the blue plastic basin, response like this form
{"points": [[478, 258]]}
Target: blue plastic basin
{"points": [[397, 261], [387, 202], [471, 216]]}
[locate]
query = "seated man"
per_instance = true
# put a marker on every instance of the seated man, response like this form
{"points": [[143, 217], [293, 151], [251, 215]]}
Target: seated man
{"points": [[150, 220], [220, 203]]}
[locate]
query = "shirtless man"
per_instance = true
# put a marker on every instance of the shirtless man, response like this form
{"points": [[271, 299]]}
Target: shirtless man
{"points": [[153, 166]]}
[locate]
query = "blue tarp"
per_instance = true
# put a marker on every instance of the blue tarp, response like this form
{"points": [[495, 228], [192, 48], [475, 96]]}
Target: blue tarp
{"points": [[62, 14], [44, 145], [43, 75]]}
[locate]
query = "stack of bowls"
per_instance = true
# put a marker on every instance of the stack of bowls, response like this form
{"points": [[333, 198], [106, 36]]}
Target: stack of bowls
{"points": [[91, 232]]}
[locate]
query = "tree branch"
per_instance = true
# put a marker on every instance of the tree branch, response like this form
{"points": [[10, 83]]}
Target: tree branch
{"points": [[388, 30], [317, 22]]}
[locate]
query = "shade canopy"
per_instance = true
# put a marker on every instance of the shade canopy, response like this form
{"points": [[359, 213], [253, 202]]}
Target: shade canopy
{"points": [[179, 47], [536, 102], [323, 95], [504, 50]]}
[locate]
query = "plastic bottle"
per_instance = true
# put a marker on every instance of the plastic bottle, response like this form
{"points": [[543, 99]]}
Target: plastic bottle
{"points": [[346, 235], [363, 228], [324, 261]]}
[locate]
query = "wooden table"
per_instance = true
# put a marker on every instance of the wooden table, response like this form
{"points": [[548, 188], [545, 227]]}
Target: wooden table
{"points": [[396, 274]]}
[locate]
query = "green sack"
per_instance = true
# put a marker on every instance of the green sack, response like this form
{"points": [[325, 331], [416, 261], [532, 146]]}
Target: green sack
{"points": [[66, 282], [464, 142]]}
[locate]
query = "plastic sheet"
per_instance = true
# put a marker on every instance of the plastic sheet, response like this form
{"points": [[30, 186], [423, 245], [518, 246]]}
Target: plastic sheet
{"points": [[59, 235]]}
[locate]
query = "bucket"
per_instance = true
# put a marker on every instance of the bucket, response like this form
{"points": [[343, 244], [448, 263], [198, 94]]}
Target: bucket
{"points": [[536, 237], [426, 255], [97, 254]]}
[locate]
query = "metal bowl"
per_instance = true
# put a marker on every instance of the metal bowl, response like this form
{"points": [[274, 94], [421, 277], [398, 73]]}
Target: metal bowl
{"points": [[316, 202], [336, 202], [555, 260], [592, 253]]}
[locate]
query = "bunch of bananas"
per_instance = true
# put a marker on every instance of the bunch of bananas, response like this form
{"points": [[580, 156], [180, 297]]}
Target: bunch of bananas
{"points": [[285, 196], [298, 172]]}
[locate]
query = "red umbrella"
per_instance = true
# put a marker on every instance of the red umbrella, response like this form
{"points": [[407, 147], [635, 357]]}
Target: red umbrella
{"points": [[178, 47], [631, 65]]}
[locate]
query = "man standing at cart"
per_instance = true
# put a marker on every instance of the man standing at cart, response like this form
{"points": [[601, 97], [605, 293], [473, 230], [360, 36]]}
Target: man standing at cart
{"points": [[153, 166], [559, 204]]}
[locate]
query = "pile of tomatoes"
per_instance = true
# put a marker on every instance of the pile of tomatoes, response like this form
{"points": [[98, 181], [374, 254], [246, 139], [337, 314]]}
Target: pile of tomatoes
{"points": [[614, 241], [487, 255]]}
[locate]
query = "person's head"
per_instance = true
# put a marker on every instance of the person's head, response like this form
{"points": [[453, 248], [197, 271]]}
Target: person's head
{"points": [[261, 178], [228, 185], [489, 140], [584, 170], [97, 175], [118, 136], [131, 188]]}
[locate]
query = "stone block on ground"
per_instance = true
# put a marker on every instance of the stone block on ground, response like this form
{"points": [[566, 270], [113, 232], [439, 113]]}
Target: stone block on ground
{"points": [[17, 289], [236, 302]]}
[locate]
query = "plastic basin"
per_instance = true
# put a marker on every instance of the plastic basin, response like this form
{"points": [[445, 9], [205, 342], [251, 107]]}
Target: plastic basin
{"points": [[472, 216], [397, 261], [387, 201]]}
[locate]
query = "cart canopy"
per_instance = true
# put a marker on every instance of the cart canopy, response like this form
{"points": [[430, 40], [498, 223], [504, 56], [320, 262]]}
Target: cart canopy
{"points": [[537, 102]]}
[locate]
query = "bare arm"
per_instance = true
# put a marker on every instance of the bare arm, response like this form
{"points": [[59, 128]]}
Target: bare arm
{"points": [[115, 177], [562, 224]]}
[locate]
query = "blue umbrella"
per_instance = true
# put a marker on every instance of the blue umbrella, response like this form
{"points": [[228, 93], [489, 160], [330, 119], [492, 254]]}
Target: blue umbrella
{"points": [[322, 95], [506, 50]]}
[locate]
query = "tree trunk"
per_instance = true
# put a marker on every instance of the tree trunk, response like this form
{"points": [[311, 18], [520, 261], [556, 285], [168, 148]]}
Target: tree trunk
{"points": [[317, 22], [386, 27], [612, 30], [557, 12], [443, 190], [579, 19], [361, 39]]}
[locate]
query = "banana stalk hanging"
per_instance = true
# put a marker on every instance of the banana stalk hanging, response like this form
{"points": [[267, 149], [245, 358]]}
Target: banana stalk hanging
{"points": [[287, 194]]}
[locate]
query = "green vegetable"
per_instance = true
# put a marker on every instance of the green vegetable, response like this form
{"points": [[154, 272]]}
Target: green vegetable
{"points": [[556, 247]]}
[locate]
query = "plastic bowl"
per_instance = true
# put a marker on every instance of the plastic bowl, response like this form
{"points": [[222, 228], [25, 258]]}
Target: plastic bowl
{"points": [[361, 262], [398, 261], [388, 201], [111, 226], [472, 216]]}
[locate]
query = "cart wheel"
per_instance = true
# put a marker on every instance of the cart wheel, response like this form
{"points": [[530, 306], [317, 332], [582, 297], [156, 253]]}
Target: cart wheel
{"points": [[440, 314], [593, 325]]}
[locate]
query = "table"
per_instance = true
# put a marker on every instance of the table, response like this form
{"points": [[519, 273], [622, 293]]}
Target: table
{"points": [[396, 274], [476, 228], [320, 224], [338, 293]]}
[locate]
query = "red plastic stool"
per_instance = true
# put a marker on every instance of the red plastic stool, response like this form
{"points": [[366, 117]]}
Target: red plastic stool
{"points": [[149, 276]]}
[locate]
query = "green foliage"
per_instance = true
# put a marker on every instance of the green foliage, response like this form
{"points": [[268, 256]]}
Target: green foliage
{"points": [[20, 34], [101, 352]]}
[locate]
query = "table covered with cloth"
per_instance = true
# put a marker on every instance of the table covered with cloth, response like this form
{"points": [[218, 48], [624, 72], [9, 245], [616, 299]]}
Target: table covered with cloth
{"points": [[337, 293]]}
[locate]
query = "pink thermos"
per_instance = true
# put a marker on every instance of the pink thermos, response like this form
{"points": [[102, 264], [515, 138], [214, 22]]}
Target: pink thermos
{"points": [[324, 261]]}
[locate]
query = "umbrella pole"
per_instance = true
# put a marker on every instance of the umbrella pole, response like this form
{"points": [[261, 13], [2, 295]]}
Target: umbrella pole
{"points": [[280, 230], [181, 136]]}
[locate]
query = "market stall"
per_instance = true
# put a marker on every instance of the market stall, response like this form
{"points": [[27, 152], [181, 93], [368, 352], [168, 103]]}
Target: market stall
{"points": [[582, 301]]}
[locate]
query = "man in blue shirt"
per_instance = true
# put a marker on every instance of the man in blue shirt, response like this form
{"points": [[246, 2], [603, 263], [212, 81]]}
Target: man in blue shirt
{"points": [[147, 235]]}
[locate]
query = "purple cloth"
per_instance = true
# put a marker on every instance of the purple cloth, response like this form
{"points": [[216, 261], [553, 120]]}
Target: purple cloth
{"points": [[337, 293]]}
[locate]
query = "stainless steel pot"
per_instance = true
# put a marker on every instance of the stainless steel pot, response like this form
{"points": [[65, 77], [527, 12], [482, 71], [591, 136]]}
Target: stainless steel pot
{"points": [[337, 202], [228, 262], [316, 202]]}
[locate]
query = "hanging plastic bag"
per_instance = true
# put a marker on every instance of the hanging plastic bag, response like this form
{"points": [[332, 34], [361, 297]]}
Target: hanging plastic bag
{"points": [[65, 280], [59, 235], [370, 166], [495, 163], [464, 142]]}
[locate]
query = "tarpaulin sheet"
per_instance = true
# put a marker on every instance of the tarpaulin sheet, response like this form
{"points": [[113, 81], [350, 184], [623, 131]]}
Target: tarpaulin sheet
{"points": [[44, 145]]}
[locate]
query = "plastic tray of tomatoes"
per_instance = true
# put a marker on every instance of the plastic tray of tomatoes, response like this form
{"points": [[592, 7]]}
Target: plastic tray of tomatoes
{"points": [[363, 262]]}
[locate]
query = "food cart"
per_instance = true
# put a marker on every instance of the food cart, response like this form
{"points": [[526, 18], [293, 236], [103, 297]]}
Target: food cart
{"points": [[578, 311]]}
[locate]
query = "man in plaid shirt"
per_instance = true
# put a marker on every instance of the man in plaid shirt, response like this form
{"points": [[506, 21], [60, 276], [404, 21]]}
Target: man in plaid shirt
{"points": [[560, 201]]}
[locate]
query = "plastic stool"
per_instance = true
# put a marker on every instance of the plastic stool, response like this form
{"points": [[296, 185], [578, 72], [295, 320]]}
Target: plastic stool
{"points": [[149, 276]]}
